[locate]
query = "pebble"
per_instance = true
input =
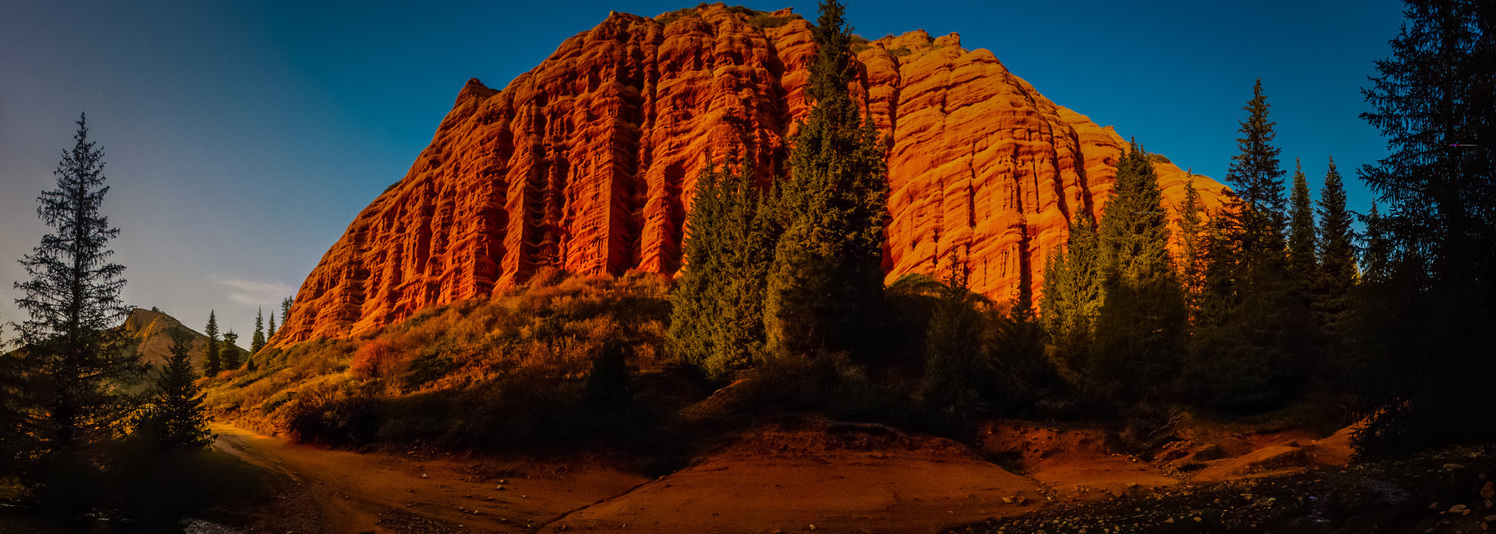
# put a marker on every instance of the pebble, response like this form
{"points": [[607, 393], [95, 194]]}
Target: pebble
{"points": [[1488, 491]]}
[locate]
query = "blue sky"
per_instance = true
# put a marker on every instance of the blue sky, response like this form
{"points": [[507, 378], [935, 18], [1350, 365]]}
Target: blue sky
{"points": [[243, 137]]}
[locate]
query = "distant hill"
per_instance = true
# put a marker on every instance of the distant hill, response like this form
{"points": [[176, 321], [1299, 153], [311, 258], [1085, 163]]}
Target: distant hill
{"points": [[150, 336]]}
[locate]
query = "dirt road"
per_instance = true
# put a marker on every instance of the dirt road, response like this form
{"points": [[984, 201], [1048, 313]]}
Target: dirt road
{"points": [[777, 481], [345, 492]]}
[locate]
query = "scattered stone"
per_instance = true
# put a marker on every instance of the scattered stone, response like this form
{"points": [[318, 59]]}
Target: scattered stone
{"points": [[423, 475], [1491, 519], [1007, 500], [500, 487], [1488, 491], [1197, 519], [1457, 509], [1169, 521], [1453, 467], [1434, 506]]}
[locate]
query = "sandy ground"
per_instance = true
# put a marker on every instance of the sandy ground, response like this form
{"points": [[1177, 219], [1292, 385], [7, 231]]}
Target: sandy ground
{"points": [[790, 477], [848, 478], [346, 492]]}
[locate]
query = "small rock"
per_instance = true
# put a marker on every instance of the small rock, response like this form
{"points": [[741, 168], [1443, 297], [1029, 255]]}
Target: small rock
{"points": [[812, 527], [1488, 491], [1007, 500], [1491, 519], [423, 475], [1457, 509], [1169, 521], [1490, 504], [499, 487], [1453, 467], [1197, 519], [1434, 506]]}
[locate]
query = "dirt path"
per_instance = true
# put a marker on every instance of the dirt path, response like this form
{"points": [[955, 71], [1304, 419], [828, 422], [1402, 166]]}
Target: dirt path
{"points": [[375, 492]]}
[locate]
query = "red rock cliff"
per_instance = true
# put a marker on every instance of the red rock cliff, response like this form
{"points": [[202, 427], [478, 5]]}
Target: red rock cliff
{"points": [[588, 163]]}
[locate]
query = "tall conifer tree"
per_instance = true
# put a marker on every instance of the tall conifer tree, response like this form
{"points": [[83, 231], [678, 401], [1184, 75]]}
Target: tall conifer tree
{"points": [[271, 329], [1303, 246], [228, 356], [1337, 241], [212, 363], [71, 364], [1249, 351], [1193, 236], [717, 315], [826, 283], [1141, 327], [1435, 103], [257, 342], [175, 418], [1072, 295]]}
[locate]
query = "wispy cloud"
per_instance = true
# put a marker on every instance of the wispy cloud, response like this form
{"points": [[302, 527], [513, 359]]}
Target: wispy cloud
{"points": [[253, 292]]}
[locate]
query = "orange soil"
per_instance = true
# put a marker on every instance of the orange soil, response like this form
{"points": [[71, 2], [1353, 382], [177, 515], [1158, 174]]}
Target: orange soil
{"points": [[353, 492], [838, 477]]}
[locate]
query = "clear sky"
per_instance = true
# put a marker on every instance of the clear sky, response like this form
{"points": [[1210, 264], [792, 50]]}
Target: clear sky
{"points": [[243, 137]]}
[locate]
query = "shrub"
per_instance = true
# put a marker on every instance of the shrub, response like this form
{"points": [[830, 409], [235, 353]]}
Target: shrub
{"points": [[378, 358], [765, 20]]}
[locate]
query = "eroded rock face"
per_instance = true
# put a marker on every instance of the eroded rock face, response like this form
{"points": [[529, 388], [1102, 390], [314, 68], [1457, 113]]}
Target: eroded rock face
{"points": [[589, 161]]}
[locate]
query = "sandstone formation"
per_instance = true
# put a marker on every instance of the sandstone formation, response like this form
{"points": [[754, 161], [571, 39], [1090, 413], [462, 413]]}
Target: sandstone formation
{"points": [[588, 163]]}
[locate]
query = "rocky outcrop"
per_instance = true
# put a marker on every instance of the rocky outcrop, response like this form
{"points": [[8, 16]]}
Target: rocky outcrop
{"points": [[589, 161]]}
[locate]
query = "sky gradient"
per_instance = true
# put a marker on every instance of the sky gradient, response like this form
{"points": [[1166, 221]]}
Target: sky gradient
{"points": [[242, 138]]}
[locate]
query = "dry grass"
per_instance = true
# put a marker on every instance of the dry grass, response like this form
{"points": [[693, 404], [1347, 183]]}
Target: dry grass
{"points": [[529, 347]]}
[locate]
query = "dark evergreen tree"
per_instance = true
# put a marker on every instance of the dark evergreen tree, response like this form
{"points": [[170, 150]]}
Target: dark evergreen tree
{"points": [[1252, 341], [175, 417], [286, 310], [71, 362], [212, 360], [826, 282], [717, 319], [1303, 246], [1435, 102], [1337, 245], [1257, 180], [1023, 372], [1376, 248], [228, 355], [270, 331], [1193, 237], [1143, 320], [1072, 296], [953, 343], [257, 342]]}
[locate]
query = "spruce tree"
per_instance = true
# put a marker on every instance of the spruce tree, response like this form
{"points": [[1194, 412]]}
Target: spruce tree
{"points": [[1337, 242], [212, 363], [826, 282], [286, 310], [1376, 248], [696, 287], [1143, 320], [1072, 296], [176, 418], [1253, 341], [257, 342], [1024, 374], [953, 342], [71, 362], [1303, 254], [270, 331], [228, 356], [1193, 236], [1435, 104], [1257, 180]]}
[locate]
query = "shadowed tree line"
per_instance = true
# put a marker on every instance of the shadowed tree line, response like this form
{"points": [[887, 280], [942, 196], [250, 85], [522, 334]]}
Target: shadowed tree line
{"points": [[1270, 300]]}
